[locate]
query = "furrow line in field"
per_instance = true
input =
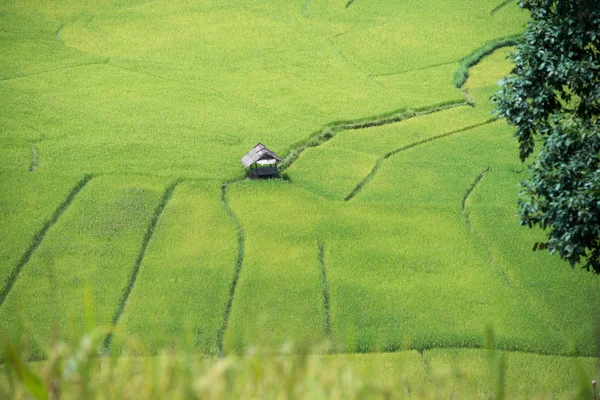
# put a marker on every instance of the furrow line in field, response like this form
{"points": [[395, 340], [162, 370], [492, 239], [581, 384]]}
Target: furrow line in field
{"points": [[461, 75], [329, 132], [39, 236], [467, 218], [378, 163], [58, 31], [86, 64], [304, 9], [148, 74], [34, 158], [42, 136], [122, 67], [140, 5], [337, 50], [366, 180], [325, 288], [269, 16], [168, 193], [468, 195], [239, 262], [501, 270], [500, 6], [354, 65], [58, 38], [406, 71]]}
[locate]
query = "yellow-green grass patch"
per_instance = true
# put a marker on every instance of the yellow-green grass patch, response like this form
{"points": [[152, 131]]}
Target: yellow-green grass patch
{"points": [[78, 275], [526, 376], [568, 299], [279, 295], [184, 279], [27, 202]]}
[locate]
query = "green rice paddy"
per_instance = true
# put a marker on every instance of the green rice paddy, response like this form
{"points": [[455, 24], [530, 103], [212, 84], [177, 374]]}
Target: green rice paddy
{"points": [[122, 199]]}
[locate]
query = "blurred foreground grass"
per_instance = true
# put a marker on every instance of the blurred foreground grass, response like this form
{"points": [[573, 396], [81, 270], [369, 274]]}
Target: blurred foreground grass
{"points": [[80, 370]]}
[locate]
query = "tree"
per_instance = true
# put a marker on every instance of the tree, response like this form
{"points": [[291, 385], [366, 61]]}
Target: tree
{"points": [[552, 97]]}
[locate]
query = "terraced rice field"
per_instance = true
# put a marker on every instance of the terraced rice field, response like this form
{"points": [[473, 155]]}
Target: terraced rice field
{"points": [[123, 203]]}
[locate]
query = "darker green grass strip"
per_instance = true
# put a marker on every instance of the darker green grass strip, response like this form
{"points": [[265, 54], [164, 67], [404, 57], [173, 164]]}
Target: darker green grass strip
{"points": [[472, 342], [168, 193], [461, 75], [325, 288], [401, 117], [349, 3], [39, 236], [329, 132], [380, 161], [421, 349], [34, 158], [239, 262]]}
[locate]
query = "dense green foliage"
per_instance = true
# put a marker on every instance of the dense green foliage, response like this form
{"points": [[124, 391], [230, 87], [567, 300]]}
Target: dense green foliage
{"points": [[554, 93]]}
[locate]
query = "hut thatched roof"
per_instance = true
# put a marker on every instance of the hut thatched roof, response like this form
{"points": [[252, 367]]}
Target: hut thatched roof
{"points": [[259, 152]]}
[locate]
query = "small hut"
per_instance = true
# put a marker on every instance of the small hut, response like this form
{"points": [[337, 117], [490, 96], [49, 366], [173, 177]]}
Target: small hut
{"points": [[262, 162]]}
